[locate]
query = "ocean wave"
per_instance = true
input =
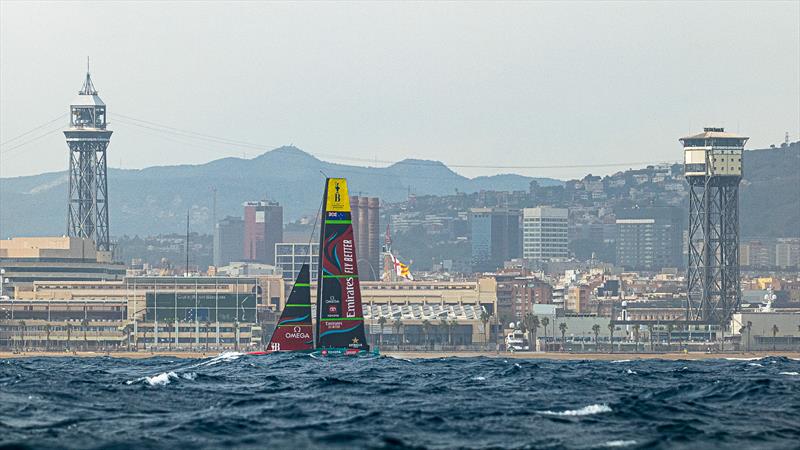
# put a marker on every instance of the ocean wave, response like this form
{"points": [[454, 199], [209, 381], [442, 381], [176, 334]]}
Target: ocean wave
{"points": [[619, 443], [161, 379], [631, 372], [620, 361], [585, 411], [755, 364], [794, 374], [745, 359]]}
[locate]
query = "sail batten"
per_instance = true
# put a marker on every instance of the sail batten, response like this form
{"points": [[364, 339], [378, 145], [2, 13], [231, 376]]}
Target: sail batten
{"points": [[340, 319]]}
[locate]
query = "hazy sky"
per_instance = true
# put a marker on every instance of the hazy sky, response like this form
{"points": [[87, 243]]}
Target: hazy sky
{"points": [[484, 84]]}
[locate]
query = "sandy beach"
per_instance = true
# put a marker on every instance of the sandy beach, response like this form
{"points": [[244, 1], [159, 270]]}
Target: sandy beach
{"points": [[440, 354]]}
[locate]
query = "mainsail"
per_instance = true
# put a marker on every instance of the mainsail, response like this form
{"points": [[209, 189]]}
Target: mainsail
{"points": [[340, 320], [293, 332]]}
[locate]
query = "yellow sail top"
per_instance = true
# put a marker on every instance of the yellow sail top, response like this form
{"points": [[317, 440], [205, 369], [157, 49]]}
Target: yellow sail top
{"points": [[338, 198]]}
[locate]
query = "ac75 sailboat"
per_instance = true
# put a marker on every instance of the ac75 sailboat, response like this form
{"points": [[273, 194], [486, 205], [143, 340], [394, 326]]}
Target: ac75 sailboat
{"points": [[340, 318]]}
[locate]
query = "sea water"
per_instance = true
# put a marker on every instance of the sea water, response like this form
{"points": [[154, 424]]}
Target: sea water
{"points": [[295, 401]]}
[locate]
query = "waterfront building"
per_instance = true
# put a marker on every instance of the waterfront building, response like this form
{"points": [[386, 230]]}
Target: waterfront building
{"points": [[228, 241], [29, 259], [495, 237], [545, 233], [263, 228]]}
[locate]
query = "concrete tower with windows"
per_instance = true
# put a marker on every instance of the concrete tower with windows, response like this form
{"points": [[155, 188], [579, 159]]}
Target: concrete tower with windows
{"points": [[88, 138], [713, 169]]}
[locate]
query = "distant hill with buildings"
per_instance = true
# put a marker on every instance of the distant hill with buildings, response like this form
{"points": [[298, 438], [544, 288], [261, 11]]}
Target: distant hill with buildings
{"points": [[155, 200]]}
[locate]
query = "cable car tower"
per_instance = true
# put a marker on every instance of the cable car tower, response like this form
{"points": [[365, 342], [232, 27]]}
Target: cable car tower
{"points": [[713, 169], [87, 138]]}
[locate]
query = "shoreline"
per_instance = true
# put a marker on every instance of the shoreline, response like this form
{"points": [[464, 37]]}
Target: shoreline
{"points": [[674, 356]]}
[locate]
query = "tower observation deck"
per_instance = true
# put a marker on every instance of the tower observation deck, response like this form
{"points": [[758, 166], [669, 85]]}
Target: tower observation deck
{"points": [[88, 138], [713, 169]]}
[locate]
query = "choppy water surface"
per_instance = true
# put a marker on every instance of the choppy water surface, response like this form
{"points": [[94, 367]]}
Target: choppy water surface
{"points": [[296, 401]]}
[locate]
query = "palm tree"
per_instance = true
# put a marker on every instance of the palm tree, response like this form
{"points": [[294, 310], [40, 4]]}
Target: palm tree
{"points": [[636, 329], [742, 330], [22, 327], [85, 326], [236, 334], [47, 332], [381, 323], [453, 325], [485, 317], [169, 333], [531, 323], [426, 328], [563, 328], [444, 329], [749, 326], [69, 335], [611, 328], [774, 333], [396, 325], [596, 331], [670, 327], [208, 329], [545, 323], [127, 331]]}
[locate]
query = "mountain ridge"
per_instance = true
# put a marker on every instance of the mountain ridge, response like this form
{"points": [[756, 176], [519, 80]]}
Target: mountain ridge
{"points": [[155, 199]]}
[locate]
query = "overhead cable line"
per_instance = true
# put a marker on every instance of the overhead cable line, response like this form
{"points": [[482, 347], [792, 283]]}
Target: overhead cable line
{"points": [[237, 143], [6, 142]]}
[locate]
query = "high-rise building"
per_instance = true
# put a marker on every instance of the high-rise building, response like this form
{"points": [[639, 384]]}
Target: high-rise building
{"points": [[290, 257], [263, 228], [228, 241], [88, 138], [545, 233], [495, 237], [365, 217], [649, 239], [787, 253]]}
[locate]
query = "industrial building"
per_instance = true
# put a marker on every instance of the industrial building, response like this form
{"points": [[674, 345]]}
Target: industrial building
{"points": [[545, 233], [263, 228], [495, 237], [365, 214]]}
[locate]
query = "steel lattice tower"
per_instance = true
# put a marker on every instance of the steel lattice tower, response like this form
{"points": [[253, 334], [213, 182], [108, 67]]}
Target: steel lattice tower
{"points": [[87, 138], [713, 169]]}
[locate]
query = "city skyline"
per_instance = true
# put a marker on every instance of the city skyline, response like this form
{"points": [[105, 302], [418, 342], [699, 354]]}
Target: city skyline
{"points": [[486, 95]]}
